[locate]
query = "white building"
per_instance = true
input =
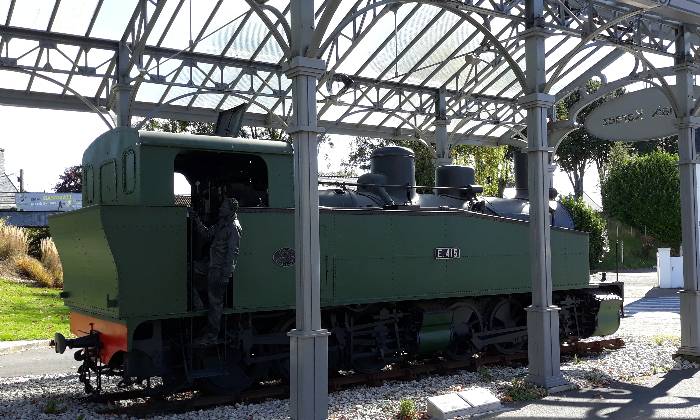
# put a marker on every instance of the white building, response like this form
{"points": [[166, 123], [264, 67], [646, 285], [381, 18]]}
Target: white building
{"points": [[7, 188]]}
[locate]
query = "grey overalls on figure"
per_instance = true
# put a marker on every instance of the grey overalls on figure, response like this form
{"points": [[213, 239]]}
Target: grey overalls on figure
{"points": [[224, 238]]}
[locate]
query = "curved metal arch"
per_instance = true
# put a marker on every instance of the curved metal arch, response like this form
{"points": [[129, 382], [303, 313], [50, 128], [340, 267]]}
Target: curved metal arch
{"points": [[665, 88], [153, 113], [322, 26], [83, 99], [519, 74], [260, 11], [648, 77], [421, 134], [582, 45], [611, 86]]}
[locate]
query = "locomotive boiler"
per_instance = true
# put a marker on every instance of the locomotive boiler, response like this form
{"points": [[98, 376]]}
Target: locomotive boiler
{"points": [[404, 274]]}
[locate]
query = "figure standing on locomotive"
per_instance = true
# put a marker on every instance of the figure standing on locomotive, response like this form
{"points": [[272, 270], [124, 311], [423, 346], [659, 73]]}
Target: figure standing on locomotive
{"points": [[224, 238]]}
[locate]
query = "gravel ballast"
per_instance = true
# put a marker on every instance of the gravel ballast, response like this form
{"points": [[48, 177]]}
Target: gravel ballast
{"points": [[29, 397], [651, 340]]}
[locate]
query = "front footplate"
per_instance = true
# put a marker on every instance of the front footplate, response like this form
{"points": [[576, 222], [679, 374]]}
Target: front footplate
{"points": [[608, 316]]}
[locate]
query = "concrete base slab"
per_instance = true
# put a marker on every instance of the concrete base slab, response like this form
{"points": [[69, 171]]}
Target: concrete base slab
{"points": [[466, 403], [443, 407], [481, 399]]}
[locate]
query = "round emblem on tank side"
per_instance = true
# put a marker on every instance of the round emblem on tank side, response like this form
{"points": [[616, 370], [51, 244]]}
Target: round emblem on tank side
{"points": [[284, 257]]}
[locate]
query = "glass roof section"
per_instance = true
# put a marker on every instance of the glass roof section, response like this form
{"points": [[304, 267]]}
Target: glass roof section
{"points": [[389, 62]]}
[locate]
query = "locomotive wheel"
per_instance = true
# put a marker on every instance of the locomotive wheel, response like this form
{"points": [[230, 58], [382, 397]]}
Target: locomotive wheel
{"points": [[508, 313], [466, 320], [232, 383], [233, 378]]}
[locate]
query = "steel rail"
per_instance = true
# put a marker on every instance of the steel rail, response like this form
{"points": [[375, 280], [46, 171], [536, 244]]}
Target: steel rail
{"points": [[188, 400]]}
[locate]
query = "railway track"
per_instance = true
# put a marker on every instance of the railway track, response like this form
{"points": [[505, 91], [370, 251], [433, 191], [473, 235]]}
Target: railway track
{"points": [[190, 400]]}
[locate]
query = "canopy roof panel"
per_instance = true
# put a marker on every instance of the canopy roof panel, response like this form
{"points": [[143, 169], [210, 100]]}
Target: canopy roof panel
{"points": [[390, 63]]}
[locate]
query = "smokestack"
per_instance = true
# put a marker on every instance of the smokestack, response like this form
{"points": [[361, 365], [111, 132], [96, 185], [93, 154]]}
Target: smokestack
{"points": [[520, 173]]}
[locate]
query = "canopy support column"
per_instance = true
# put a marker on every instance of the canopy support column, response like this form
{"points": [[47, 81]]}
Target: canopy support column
{"points": [[442, 142], [308, 357], [122, 89], [542, 315], [689, 180]]}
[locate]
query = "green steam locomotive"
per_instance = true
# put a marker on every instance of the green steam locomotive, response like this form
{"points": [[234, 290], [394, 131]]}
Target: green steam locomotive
{"points": [[404, 274]]}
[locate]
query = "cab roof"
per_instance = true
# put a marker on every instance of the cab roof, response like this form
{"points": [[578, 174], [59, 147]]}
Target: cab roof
{"points": [[204, 142]]}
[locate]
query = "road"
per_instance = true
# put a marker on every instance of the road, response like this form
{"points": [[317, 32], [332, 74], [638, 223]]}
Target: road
{"points": [[40, 360]]}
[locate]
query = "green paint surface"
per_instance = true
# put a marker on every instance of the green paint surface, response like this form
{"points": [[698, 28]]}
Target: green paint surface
{"points": [[125, 257]]}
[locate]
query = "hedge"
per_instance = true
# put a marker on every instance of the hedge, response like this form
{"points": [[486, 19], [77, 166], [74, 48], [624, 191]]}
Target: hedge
{"points": [[644, 192], [588, 220]]}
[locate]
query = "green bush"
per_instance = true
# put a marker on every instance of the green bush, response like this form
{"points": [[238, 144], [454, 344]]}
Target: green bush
{"points": [[521, 390], [35, 235], [644, 191], [407, 410], [588, 220]]}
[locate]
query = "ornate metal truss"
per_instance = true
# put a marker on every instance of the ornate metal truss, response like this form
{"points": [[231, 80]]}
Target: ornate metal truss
{"points": [[390, 63], [442, 71]]}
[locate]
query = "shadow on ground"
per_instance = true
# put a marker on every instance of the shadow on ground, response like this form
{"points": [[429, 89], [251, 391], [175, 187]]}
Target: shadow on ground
{"points": [[674, 396]]}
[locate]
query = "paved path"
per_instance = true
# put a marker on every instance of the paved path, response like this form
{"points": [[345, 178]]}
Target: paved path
{"points": [[662, 305], [673, 396], [37, 361], [649, 310]]}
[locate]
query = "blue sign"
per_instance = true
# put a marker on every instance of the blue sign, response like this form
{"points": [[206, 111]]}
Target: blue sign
{"points": [[32, 201]]}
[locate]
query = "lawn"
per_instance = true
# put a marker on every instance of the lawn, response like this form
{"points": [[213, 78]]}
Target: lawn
{"points": [[30, 313]]}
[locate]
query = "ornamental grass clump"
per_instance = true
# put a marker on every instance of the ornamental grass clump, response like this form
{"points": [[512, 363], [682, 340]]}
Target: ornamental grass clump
{"points": [[407, 410], [13, 241], [51, 261], [32, 269]]}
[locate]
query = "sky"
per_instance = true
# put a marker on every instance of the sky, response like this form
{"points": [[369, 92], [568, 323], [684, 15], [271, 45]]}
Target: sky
{"points": [[44, 143]]}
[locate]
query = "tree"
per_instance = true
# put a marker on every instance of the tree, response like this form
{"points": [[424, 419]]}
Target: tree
{"points": [[579, 149], [588, 220], [666, 144], [643, 191], [492, 166], [179, 126], [71, 180]]}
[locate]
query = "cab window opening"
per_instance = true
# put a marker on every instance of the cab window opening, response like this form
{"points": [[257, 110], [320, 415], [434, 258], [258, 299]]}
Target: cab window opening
{"points": [[209, 177]]}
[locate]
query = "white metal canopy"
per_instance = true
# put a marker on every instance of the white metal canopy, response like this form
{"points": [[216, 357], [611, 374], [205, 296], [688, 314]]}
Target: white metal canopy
{"points": [[446, 72], [388, 62]]}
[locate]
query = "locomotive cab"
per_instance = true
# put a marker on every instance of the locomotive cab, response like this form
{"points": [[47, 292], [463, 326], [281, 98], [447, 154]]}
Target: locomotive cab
{"points": [[127, 254]]}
